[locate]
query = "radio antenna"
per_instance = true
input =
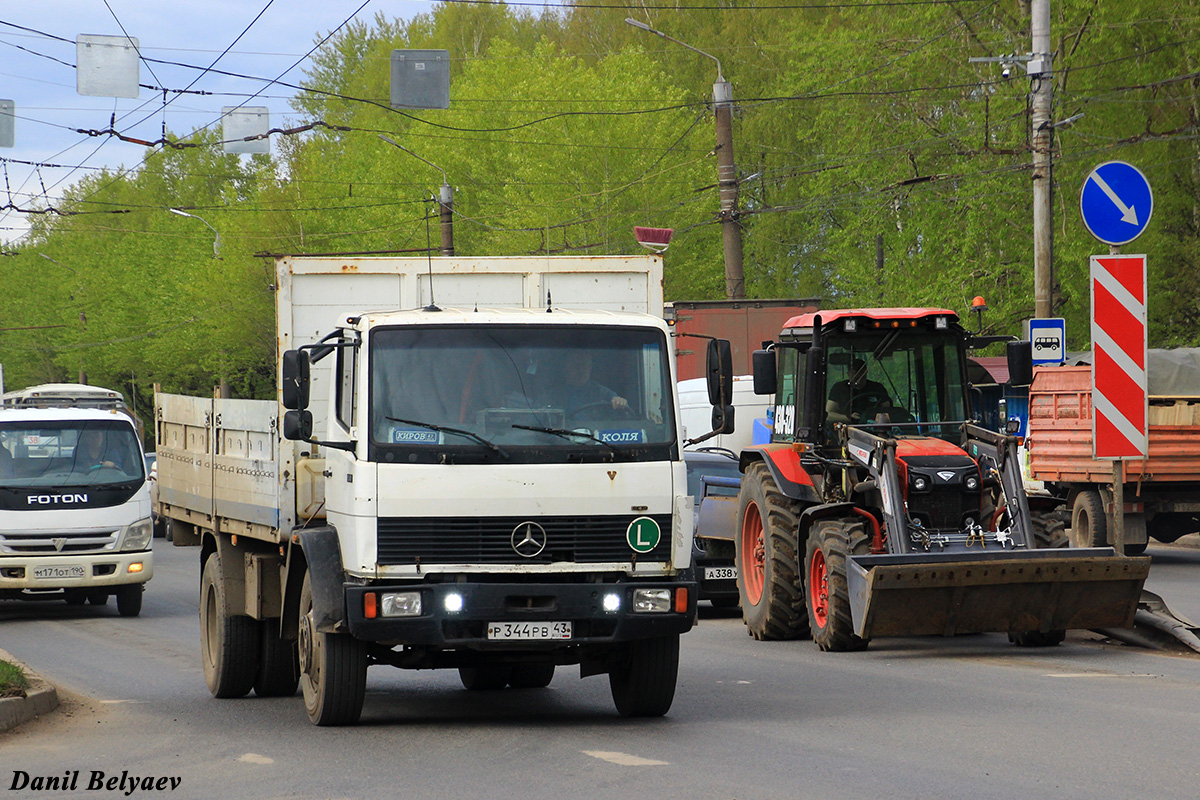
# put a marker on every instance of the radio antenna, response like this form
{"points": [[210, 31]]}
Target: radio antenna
{"points": [[429, 255]]}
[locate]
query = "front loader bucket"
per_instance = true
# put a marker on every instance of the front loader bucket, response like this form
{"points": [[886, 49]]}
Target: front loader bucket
{"points": [[930, 594]]}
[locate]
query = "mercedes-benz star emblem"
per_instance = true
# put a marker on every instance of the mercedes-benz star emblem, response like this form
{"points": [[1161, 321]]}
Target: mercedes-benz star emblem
{"points": [[529, 539]]}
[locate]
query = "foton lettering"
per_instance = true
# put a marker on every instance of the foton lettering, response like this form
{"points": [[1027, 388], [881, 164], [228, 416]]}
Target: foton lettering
{"points": [[52, 499]]}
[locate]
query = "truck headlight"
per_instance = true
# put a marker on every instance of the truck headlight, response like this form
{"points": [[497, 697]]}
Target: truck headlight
{"points": [[138, 535], [400, 604], [652, 600]]}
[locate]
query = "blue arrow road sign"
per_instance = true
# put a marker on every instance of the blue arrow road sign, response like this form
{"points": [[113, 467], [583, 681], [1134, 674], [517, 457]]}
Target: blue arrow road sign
{"points": [[1116, 202]]}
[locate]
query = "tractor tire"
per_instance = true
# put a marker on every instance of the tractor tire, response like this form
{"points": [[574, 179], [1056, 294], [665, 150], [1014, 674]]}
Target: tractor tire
{"points": [[1048, 532], [228, 642], [827, 592], [485, 677], [644, 684], [333, 669], [767, 555], [1089, 522], [278, 663], [531, 676]]}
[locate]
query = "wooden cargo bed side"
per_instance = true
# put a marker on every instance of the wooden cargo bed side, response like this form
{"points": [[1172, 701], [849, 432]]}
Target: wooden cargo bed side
{"points": [[246, 485], [1060, 433], [183, 436]]}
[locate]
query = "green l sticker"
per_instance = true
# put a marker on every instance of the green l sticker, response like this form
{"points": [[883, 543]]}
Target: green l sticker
{"points": [[643, 534]]}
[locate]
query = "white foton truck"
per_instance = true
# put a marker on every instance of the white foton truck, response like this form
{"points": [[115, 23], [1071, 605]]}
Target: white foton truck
{"points": [[488, 479], [74, 499]]}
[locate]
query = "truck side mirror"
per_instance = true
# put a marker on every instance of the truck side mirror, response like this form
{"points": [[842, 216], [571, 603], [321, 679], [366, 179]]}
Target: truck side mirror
{"points": [[296, 379], [722, 419], [1020, 363], [719, 371], [297, 425], [765, 377]]}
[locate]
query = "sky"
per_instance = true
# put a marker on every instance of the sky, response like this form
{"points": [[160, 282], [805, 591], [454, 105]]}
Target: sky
{"points": [[37, 74]]}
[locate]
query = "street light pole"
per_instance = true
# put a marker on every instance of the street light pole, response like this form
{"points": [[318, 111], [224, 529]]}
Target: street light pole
{"points": [[727, 182], [216, 242], [445, 200]]}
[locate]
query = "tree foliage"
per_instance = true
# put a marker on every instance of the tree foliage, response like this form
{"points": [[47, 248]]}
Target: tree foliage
{"points": [[878, 166]]}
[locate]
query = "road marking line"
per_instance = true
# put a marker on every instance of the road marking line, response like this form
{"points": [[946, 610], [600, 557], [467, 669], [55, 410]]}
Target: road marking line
{"points": [[1096, 675], [255, 758], [624, 759]]}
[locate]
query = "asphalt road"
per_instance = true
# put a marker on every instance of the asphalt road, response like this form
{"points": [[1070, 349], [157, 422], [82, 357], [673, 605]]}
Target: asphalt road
{"points": [[971, 716]]}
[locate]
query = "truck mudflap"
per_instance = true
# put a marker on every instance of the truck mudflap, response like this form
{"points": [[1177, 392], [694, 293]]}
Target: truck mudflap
{"points": [[931, 594]]}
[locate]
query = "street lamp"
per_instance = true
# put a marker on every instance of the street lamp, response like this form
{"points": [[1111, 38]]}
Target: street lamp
{"points": [[727, 183], [216, 242], [445, 200]]}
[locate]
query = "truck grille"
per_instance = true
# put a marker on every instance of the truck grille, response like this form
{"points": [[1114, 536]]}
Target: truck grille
{"points": [[43, 543], [489, 540]]}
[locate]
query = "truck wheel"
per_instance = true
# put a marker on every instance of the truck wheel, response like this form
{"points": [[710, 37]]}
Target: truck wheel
{"points": [[75, 597], [826, 589], [485, 677], [278, 663], [767, 557], [129, 599], [333, 669], [228, 642], [1089, 523], [1037, 638], [531, 676], [644, 685]]}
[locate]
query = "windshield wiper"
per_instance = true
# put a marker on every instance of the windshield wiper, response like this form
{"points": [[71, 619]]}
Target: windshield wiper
{"points": [[456, 431], [568, 434]]}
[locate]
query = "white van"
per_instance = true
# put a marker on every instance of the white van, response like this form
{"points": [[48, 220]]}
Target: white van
{"points": [[74, 506]]}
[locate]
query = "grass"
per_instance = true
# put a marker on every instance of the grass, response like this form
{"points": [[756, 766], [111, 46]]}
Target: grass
{"points": [[13, 682]]}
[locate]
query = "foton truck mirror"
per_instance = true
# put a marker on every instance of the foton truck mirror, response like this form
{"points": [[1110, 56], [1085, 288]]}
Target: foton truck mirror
{"points": [[719, 371], [295, 379], [765, 379]]}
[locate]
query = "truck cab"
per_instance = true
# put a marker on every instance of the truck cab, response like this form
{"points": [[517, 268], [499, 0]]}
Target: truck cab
{"points": [[74, 506]]}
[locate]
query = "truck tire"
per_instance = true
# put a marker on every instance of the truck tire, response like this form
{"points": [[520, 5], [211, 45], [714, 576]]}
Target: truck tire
{"points": [[129, 599], [767, 557], [228, 642], [278, 663], [643, 685], [531, 676], [827, 593], [333, 669], [485, 677], [1089, 523]]}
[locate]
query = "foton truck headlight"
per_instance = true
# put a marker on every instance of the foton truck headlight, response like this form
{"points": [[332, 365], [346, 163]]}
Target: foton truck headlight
{"points": [[657, 600], [137, 536], [401, 604]]}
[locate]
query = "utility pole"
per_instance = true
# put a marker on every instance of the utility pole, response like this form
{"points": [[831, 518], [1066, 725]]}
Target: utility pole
{"points": [[727, 181], [445, 200], [1042, 141]]}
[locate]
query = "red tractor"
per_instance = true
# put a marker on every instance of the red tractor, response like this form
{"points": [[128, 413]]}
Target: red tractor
{"points": [[880, 508]]}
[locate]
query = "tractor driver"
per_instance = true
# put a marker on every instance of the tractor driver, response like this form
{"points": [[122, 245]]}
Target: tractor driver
{"points": [[857, 399]]}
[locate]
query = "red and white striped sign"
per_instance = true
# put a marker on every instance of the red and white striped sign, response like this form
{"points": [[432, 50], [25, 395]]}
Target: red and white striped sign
{"points": [[1119, 401]]}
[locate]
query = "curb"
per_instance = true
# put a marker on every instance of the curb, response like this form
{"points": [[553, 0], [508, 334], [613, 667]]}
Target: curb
{"points": [[41, 698]]}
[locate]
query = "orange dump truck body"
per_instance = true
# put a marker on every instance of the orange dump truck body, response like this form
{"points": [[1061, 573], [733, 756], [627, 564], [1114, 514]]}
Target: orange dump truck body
{"points": [[1060, 433]]}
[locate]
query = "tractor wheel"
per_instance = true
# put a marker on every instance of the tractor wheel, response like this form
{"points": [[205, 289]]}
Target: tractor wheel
{"points": [[768, 559], [1049, 531], [826, 589], [1089, 523]]}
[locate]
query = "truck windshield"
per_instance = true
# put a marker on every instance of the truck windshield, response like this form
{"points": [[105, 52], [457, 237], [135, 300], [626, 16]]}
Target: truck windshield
{"points": [[69, 454], [524, 389], [908, 375]]}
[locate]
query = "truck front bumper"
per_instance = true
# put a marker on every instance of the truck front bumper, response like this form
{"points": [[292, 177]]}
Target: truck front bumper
{"points": [[90, 571], [593, 620]]}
